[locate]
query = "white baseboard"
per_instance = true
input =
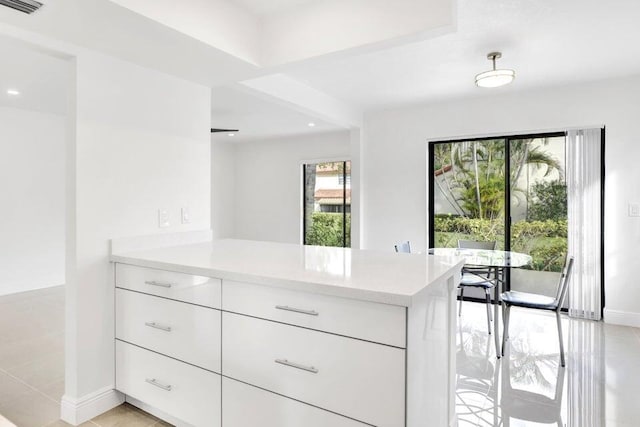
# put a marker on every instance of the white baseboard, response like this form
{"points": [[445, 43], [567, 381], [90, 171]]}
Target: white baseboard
{"points": [[77, 411], [625, 318]]}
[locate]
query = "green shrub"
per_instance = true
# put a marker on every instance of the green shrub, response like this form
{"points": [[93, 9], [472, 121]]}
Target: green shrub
{"points": [[326, 229], [491, 229], [548, 201], [549, 256], [545, 241]]}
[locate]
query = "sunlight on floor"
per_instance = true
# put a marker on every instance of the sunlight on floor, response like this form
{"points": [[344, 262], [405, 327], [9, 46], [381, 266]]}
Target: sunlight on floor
{"points": [[528, 387]]}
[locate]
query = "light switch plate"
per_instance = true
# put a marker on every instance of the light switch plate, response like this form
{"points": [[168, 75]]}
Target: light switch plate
{"points": [[185, 215], [634, 209], [163, 218]]}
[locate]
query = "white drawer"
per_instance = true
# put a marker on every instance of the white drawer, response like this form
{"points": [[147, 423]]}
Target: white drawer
{"points": [[182, 287], [358, 379], [359, 319], [178, 389], [184, 331], [247, 406]]}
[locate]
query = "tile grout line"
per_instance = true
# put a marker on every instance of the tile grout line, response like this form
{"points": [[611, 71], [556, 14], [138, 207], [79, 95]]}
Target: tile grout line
{"points": [[29, 386]]}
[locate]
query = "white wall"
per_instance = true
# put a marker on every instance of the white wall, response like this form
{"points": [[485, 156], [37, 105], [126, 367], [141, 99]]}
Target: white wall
{"points": [[32, 200], [396, 143], [268, 183], [141, 143], [223, 188]]}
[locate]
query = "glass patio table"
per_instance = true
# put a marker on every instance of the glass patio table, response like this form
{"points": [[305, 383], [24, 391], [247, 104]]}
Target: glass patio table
{"points": [[496, 260]]}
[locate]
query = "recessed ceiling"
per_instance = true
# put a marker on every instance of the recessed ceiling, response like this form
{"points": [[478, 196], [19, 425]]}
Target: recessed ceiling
{"points": [[41, 80], [263, 7], [277, 32], [258, 117], [107, 27], [547, 42]]}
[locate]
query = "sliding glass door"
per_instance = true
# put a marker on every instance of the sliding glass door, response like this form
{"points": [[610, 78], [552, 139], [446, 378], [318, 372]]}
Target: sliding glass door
{"points": [[509, 190], [327, 204], [538, 211], [468, 198]]}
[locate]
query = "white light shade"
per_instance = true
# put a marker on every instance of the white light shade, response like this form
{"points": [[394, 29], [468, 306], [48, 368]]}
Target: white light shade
{"points": [[495, 78], [13, 92]]}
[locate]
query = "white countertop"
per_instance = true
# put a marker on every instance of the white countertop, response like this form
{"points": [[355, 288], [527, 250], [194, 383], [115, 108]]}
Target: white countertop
{"points": [[384, 277]]}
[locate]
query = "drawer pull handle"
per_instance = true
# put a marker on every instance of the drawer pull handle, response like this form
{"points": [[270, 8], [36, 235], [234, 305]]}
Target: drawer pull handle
{"points": [[158, 384], [158, 326], [285, 362], [161, 284], [297, 310]]}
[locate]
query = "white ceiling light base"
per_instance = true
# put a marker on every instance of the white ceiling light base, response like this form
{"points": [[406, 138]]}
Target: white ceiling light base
{"points": [[495, 77]]}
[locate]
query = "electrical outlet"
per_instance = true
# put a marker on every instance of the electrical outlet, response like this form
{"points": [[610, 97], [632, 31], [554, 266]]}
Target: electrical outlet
{"points": [[185, 215], [634, 209], [163, 218]]}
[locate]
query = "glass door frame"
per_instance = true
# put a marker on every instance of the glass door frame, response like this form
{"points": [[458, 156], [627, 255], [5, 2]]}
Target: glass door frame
{"points": [[507, 191]]}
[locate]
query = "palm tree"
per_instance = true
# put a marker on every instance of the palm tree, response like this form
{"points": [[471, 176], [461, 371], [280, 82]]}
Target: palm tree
{"points": [[471, 175]]}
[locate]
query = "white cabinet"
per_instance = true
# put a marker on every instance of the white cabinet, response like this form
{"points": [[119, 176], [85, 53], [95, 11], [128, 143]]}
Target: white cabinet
{"points": [[181, 390], [247, 406], [198, 290], [356, 378], [382, 323], [223, 353], [183, 331], [168, 353]]}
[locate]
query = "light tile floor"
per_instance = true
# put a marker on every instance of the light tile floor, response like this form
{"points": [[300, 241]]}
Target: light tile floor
{"points": [[599, 387], [32, 364]]}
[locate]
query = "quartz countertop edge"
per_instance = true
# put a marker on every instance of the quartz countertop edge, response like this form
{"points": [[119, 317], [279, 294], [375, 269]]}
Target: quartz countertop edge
{"points": [[160, 258]]}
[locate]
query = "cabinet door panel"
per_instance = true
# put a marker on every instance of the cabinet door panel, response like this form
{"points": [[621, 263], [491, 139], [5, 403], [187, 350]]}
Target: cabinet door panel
{"points": [[183, 331], [183, 391], [168, 284], [361, 380], [369, 321], [246, 406]]}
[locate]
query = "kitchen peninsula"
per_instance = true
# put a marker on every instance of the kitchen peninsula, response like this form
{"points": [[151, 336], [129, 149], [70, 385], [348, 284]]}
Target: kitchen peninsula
{"points": [[239, 333]]}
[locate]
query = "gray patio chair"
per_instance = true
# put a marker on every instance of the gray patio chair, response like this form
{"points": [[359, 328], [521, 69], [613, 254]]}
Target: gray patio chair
{"points": [[403, 247], [539, 302], [477, 277]]}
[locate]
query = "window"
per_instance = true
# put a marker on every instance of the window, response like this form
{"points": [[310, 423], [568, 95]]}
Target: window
{"points": [[327, 205]]}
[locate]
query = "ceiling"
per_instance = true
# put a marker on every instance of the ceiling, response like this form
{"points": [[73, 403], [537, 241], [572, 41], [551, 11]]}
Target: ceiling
{"points": [[109, 28], [259, 117], [263, 7], [547, 42], [41, 79]]}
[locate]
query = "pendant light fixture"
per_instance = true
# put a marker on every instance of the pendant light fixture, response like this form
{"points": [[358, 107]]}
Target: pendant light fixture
{"points": [[495, 77]]}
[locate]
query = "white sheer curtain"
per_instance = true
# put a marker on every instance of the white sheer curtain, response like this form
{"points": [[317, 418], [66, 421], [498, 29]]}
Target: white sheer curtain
{"points": [[584, 153], [586, 404]]}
